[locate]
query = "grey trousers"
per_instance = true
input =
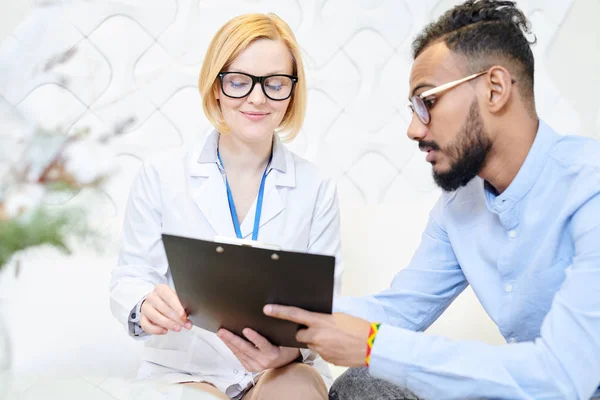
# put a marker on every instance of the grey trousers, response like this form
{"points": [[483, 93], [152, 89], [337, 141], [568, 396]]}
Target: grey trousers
{"points": [[358, 384]]}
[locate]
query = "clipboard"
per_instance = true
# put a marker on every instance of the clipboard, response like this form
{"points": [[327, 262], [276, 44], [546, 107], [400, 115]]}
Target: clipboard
{"points": [[226, 285]]}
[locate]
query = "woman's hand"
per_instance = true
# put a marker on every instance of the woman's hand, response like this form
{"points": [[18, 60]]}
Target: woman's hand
{"points": [[162, 311], [259, 355]]}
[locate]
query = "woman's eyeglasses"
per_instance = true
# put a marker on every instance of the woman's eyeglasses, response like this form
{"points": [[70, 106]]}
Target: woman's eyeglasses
{"points": [[237, 85]]}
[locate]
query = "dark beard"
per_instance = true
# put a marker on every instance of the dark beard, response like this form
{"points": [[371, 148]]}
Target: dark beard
{"points": [[469, 150]]}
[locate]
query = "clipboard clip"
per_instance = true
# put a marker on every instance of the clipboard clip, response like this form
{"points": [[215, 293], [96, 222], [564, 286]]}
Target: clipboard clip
{"points": [[245, 242]]}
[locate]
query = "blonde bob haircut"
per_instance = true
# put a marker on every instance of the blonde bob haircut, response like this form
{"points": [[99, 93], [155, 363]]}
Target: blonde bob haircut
{"points": [[229, 42]]}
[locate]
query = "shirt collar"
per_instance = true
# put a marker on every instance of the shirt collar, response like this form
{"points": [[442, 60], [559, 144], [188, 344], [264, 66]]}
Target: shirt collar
{"points": [[529, 172], [209, 152]]}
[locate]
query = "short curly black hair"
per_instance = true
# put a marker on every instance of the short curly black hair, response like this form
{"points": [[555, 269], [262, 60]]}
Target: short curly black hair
{"points": [[487, 33]]}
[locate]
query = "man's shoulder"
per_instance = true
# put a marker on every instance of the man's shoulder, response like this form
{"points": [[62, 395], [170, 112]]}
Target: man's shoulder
{"points": [[576, 153]]}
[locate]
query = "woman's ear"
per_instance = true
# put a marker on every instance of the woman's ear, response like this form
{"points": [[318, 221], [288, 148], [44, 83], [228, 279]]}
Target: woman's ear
{"points": [[217, 91]]}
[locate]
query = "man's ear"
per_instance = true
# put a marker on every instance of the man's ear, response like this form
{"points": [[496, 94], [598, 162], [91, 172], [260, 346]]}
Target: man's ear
{"points": [[498, 89]]}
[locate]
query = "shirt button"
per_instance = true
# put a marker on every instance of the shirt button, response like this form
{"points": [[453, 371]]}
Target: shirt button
{"points": [[235, 371], [508, 288], [512, 340], [512, 234], [133, 316]]}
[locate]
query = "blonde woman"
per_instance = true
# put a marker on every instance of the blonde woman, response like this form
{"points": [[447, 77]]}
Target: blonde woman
{"points": [[241, 182]]}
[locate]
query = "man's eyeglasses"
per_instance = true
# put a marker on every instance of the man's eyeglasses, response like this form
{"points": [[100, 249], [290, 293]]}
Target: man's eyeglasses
{"points": [[237, 85], [418, 103]]}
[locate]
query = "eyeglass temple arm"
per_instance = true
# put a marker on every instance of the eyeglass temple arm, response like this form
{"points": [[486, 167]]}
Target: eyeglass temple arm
{"points": [[449, 85]]}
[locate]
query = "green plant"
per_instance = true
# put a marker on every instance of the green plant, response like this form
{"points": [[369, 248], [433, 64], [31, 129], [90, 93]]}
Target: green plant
{"points": [[42, 227]]}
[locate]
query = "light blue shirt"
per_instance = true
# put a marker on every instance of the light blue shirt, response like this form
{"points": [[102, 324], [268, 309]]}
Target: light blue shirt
{"points": [[532, 257]]}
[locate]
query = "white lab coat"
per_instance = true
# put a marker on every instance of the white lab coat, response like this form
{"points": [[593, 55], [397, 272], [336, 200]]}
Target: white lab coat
{"points": [[184, 193]]}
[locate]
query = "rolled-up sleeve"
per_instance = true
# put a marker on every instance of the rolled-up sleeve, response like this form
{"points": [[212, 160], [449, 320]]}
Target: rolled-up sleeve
{"points": [[422, 291], [562, 363]]}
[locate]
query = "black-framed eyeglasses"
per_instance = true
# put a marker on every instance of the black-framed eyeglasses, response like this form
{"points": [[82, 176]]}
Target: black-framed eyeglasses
{"points": [[238, 85], [418, 104]]}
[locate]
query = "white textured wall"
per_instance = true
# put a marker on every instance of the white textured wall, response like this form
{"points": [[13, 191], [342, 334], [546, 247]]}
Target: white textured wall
{"points": [[140, 59]]}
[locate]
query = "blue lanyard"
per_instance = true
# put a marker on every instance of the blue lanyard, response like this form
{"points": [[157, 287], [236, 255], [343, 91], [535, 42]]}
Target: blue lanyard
{"points": [[259, 201]]}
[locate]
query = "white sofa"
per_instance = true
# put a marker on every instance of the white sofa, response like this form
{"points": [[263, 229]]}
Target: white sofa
{"points": [[60, 323]]}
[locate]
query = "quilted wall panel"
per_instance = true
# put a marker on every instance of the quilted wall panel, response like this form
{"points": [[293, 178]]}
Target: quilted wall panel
{"points": [[132, 65]]}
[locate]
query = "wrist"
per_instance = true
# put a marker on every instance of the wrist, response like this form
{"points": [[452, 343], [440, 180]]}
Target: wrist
{"points": [[298, 356], [290, 356], [373, 330], [295, 356]]}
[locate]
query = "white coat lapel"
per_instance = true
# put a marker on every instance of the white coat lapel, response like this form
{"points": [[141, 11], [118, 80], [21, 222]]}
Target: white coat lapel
{"points": [[210, 195], [273, 204], [282, 175], [208, 188]]}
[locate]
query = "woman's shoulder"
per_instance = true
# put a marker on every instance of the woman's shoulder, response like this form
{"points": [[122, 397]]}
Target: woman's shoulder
{"points": [[172, 160], [164, 164], [308, 171]]}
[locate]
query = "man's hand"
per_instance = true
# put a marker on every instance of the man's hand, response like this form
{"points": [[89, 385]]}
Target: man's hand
{"points": [[340, 339], [260, 356]]}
